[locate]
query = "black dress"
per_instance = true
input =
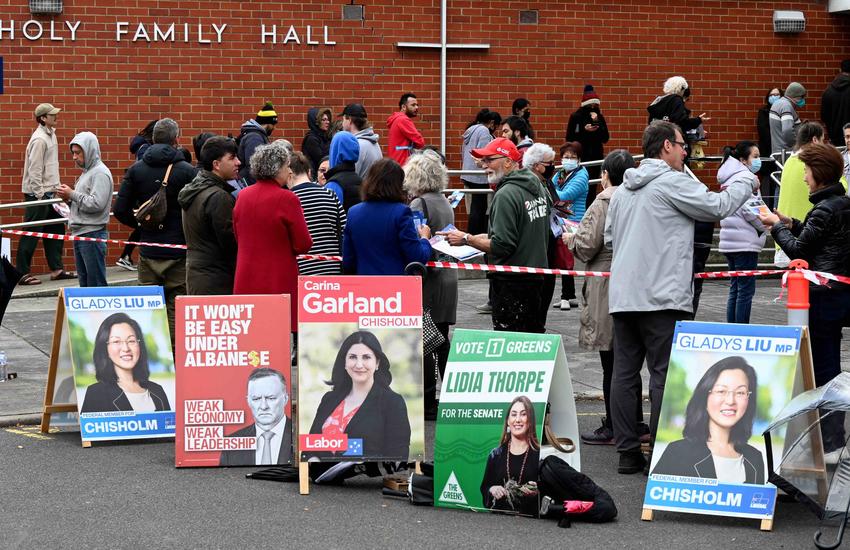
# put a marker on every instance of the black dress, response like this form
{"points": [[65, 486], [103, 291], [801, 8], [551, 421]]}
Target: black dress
{"points": [[496, 473]]}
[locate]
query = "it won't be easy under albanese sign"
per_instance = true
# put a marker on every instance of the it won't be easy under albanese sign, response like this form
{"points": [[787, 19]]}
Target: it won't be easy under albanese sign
{"points": [[199, 33]]}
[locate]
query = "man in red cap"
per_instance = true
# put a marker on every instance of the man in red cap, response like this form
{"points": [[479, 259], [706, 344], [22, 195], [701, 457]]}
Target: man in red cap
{"points": [[517, 235]]}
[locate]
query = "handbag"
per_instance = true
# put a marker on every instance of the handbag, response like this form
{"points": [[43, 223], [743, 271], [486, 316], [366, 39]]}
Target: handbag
{"points": [[151, 213], [432, 338]]}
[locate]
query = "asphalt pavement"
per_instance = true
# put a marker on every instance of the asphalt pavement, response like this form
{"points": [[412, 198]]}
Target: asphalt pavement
{"points": [[56, 494]]}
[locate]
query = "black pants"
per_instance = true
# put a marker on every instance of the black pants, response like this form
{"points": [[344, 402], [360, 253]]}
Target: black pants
{"points": [[606, 357], [637, 336], [516, 303], [477, 223], [700, 257], [128, 248], [547, 291], [434, 362], [568, 287], [52, 247]]}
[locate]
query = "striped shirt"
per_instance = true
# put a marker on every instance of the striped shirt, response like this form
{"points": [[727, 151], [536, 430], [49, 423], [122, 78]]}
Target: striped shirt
{"points": [[325, 221]]}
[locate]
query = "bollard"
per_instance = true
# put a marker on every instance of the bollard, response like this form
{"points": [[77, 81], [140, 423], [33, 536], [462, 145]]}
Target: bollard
{"points": [[798, 294]]}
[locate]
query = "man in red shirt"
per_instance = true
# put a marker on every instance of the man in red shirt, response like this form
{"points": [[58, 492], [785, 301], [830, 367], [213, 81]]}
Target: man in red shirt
{"points": [[403, 133]]}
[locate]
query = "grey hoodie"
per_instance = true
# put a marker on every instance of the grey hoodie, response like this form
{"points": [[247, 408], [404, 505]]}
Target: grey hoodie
{"points": [[370, 151], [475, 137], [92, 194], [650, 227]]}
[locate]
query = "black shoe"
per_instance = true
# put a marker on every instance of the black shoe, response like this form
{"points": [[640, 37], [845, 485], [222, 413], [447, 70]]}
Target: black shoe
{"points": [[631, 462], [602, 435]]}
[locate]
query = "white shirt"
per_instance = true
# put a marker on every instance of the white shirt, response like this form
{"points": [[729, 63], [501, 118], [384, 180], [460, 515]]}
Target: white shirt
{"points": [[141, 402], [276, 440], [729, 470]]}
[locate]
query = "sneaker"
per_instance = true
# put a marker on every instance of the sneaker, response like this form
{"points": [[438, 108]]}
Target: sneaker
{"points": [[126, 263], [485, 308], [833, 457], [603, 435], [564, 305], [631, 462]]}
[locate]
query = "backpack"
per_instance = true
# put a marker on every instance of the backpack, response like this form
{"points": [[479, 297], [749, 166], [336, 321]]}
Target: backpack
{"points": [[570, 495]]}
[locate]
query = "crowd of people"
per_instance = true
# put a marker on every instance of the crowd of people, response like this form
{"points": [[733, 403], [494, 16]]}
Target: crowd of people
{"points": [[253, 201]]}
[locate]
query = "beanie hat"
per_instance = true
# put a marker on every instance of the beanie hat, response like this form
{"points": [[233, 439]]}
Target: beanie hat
{"points": [[589, 97], [266, 115], [795, 89], [344, 148]]}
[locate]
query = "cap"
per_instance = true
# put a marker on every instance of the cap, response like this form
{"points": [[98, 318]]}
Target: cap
{"points": [[589, 96], [354, 109], [795, 89], [499, 146], [46, 109]]}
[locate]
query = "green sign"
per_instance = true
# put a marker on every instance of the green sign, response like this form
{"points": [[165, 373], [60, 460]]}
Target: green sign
{"points": [[489, 436]]}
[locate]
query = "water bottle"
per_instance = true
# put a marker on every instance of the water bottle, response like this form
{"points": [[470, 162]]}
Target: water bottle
{"points": [[3, 373]]}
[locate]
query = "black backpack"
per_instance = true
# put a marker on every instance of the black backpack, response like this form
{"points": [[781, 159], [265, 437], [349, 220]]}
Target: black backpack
{"points": [[561, 486]]}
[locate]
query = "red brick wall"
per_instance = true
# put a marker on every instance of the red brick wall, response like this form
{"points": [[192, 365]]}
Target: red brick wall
{"points": [[726, 50]]}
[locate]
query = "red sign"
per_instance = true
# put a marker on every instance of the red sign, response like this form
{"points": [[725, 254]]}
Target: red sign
{"points": [[233, 381], [319, 442]]}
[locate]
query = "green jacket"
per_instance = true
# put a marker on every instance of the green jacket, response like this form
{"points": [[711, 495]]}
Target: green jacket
{"points": [[519, 221]]}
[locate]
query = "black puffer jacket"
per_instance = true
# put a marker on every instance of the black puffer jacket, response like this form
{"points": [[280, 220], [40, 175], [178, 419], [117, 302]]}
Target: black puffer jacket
{"points": [[208, 224], [140, 182], [823, 239]]}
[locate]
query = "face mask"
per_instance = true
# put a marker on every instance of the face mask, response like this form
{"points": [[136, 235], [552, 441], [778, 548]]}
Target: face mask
{"points": [[548, 172], [772, 99], [755, 166], [569, 164], [801, 102], [526, 115]]}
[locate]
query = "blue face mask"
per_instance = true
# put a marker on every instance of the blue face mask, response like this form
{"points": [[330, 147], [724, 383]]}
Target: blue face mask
{"points": [[569, 164], [801, 102], [755, 166], [772, 99]]}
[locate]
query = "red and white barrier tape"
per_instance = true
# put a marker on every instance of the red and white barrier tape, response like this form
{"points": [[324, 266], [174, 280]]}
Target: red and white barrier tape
{"points": [[815, 277]]}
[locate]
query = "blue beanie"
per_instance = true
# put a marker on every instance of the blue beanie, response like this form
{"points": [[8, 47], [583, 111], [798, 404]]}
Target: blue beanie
{"points": [[344, 148]]}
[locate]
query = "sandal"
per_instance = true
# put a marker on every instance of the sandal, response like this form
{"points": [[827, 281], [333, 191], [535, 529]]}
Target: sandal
{"points": [[29, 280], [64, 275]]}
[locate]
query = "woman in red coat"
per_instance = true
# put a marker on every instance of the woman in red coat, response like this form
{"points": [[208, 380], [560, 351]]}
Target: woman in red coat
{"points": [[270, 229]]}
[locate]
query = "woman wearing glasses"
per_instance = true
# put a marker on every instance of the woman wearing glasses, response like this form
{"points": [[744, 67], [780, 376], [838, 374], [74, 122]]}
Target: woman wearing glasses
{"points": [[718, 424], [121, 367]]}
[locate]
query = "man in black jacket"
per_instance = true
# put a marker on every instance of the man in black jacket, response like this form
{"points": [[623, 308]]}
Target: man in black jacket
{"points": [[159, 265], [835, 104], [208, 221], [252, 134]]}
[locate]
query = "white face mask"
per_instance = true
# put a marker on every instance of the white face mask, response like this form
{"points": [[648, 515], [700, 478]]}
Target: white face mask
{"points": [[569, 164]]}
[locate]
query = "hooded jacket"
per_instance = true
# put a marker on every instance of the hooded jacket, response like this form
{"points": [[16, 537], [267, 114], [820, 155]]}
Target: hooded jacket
{"points": [[475, 137], [342, 177], [251, 136], [519, 221], [316, 143], [403, 136], [783, 120], [650, 227], [140, 182], [835, 107], [592, 141], [742, 231], [823, 238], [91, 198], [671, 107], [370, 151], [208, 225]]}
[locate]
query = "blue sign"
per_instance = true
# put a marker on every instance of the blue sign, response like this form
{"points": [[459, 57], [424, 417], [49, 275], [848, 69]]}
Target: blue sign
{"points": [[93, 426], [717, 499]]}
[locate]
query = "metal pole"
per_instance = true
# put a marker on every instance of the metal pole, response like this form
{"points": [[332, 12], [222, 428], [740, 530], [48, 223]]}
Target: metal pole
{"points": [[443, 43]]}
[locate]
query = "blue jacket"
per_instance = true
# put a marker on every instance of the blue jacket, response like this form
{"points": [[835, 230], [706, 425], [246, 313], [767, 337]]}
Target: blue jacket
{"points": [[380, 239], [573, 187]]}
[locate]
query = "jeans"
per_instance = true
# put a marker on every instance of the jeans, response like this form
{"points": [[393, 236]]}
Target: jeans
{"points": [[741, 289], [91, 259], [829, 311]]}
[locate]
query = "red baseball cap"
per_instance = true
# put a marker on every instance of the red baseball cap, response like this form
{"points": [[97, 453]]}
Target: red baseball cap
{"points": [[499, 146]]}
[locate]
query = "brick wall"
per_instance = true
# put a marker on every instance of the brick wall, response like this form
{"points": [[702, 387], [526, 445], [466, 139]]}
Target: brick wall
{"points": [[726, 50]]}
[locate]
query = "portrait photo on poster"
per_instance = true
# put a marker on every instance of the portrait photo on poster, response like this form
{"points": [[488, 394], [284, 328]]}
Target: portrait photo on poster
{"points": [[266, 397], [121, 363], [360, 392], [714, 411], [509, 482]]}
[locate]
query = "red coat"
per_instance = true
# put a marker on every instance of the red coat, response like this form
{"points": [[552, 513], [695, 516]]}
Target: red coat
{"points": [[270, 232]]}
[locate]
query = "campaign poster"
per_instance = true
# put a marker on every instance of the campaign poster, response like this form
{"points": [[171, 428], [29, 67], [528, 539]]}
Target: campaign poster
{"points": [[489, 436], [123, 368], [234, 384], [360, 384], [725, 383]]}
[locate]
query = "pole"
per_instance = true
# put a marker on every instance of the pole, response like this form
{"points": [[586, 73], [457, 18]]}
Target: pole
{"points": [[443, 44], [798, 294]]}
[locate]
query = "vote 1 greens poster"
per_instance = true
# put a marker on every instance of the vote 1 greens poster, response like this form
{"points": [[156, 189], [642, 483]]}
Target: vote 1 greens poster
{"points": [[489, 434], [725, 383]]}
